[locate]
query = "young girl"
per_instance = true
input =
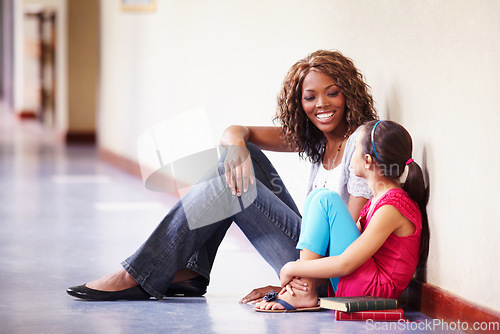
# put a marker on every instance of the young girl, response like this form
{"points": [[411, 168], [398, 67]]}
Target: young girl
{"points": [[379, 255]]}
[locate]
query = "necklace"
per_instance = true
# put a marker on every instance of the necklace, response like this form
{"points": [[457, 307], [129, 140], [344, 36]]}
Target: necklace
{"points": [[333, 162]]}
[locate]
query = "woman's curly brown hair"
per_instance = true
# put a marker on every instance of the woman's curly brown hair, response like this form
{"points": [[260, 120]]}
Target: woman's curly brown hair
{"points": [[298, 131]]}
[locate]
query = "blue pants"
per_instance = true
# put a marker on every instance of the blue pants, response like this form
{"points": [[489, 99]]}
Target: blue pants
{"points": [[327, 226], [269, 219]]}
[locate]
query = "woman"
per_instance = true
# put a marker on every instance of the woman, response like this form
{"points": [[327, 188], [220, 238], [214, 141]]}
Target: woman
{"points": [[323, 101], [380, 258]]}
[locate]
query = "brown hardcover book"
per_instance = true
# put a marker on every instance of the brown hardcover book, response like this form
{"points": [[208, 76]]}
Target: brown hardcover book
{"points": [[356, 304]]}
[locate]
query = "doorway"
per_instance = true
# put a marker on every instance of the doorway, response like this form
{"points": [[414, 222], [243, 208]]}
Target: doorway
{"points": [[40, 31]]}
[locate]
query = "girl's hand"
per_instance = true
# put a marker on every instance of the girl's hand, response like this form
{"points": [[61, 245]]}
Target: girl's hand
{"points": [[238, 167], [286, 274], [295, 283]]}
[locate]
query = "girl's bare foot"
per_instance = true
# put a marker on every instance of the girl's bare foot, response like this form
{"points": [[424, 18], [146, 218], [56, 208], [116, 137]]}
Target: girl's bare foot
{"points": [[301, 299], [117, 281]]}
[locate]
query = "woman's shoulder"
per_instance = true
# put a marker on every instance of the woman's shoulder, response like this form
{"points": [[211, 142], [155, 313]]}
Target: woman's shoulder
{"points": [[350, 145], [354, 135]]}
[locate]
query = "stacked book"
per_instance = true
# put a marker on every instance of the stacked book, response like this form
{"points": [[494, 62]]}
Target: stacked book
{"points": [[364, 308]]}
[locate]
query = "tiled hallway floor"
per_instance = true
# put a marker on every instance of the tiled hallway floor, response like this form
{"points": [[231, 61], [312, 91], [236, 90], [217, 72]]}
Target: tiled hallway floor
{"points": [[67, 218]]}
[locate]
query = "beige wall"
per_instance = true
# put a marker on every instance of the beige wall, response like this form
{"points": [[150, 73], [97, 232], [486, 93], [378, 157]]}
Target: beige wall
{"points": [[433, 66], [83, 61]]}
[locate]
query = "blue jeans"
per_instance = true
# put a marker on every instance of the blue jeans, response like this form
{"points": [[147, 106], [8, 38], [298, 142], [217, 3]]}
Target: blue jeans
{"points": [[327, 227], [271, 221]]}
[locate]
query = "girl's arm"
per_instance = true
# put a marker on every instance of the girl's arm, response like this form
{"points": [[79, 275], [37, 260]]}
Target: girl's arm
{"points": [[384, 222]]}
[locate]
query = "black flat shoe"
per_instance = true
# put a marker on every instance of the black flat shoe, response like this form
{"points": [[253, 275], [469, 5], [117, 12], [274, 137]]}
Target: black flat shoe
{"points": [[194, 287], [83, 292]]}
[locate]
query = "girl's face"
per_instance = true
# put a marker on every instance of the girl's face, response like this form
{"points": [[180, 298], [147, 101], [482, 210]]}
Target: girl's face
{"points": [[358, 162], [323, 102]]}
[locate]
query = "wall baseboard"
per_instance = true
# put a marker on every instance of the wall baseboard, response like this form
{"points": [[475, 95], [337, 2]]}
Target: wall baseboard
{"points": [[81, 137], [444, 305], [27, 114], [121, 162]]}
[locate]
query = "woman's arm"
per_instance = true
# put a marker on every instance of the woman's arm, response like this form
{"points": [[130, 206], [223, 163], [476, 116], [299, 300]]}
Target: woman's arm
{"points": [[265, 137], [384, 222], [355, 205]]}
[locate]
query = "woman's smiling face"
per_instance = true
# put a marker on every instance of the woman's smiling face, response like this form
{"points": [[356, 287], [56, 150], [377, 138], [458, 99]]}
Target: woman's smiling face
{"points": [[323, 101]]}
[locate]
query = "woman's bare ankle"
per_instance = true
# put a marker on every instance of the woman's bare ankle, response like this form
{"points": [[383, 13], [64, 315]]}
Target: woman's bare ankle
{"points": [[184, 275], [119, 280]]}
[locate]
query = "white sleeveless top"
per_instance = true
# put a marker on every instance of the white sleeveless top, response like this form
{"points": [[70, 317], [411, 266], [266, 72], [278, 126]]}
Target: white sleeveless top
{"points": [[329, 179]]}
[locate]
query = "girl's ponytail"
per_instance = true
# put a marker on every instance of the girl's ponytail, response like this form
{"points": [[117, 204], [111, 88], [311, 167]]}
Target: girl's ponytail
{"points": [[415, 187]]}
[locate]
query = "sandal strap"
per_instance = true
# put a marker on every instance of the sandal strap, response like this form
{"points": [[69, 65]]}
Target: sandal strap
{"points": [[286, 305]]}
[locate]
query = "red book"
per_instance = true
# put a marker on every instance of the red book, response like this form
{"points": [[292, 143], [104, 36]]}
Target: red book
{"points": [[376, 315]]}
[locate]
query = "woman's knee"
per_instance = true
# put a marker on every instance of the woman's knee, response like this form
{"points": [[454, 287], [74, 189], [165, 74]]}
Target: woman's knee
{"points": [[258, 157], [252, 148], [263, 169]]}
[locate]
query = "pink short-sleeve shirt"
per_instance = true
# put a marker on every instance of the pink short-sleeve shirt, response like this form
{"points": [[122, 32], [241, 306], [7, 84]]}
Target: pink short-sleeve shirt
{"points": [[389, 271]]}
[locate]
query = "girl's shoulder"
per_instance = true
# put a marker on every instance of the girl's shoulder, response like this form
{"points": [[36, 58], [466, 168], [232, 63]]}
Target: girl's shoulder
{"points": [[396, 195], [397, 198], [400, 199]]}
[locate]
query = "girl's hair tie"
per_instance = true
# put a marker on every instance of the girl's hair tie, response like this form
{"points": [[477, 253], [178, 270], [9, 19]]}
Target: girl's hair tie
{"points": [[404, 175]]}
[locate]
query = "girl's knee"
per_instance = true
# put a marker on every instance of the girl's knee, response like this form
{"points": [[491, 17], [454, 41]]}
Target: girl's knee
{"points": [[316, 191], [311, 196], [329, 195], [334, 196], [327, 198], [322, 199]]}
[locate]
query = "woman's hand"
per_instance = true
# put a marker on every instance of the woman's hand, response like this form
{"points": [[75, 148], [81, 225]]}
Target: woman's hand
{"points": [[258, 294], [238, 164], [238, 167]]}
